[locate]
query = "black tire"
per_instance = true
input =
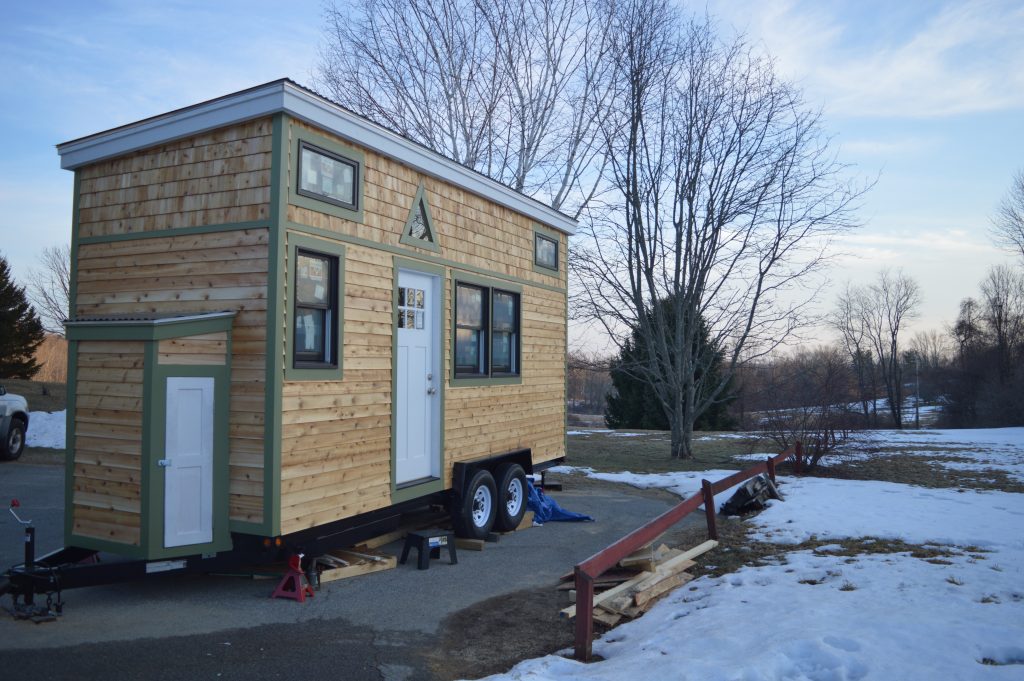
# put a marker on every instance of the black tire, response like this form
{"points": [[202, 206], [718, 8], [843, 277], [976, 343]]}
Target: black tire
{"points": [[512, 493], [13, 443], [474, 516]]}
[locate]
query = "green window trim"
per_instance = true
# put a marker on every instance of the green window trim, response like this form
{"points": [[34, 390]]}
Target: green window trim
{"points": [[296, 370], [542, 233], [420, 204], [488, 377], [302, 138]]}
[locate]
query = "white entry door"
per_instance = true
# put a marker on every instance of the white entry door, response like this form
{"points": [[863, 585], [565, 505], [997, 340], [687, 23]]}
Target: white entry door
{"points": [[188, 462], [418, 409]]}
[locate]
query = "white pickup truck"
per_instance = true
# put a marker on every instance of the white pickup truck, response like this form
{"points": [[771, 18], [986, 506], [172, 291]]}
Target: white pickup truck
{"points": [[13, 424]]}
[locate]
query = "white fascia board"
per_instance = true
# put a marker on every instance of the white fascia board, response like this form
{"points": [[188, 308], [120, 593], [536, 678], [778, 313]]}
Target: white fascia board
{"points": [[321, 113], [283, 96], [193, 120]]}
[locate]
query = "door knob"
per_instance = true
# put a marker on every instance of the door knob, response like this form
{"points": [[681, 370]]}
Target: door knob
{"points": [[431, 391], [163, 463]]}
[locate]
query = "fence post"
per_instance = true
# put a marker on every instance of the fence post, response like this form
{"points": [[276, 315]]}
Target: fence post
{"points": [[709, 510], [771, 468], [584, 615], [799, 466]]}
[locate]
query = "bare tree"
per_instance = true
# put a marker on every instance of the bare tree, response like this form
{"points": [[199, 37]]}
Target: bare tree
{"points": [[49, 287], [723, 196], [1002, 293], [893, 301], [1008, 222], [850, 319], [514, 89], [932, 347], [808, 394]]}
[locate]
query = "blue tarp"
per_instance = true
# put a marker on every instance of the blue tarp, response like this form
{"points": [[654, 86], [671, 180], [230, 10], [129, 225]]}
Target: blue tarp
{"points": [[545, 508]]}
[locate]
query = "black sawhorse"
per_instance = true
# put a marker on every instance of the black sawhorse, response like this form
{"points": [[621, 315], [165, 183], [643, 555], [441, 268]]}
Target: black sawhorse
{"points": [[427, 542]]}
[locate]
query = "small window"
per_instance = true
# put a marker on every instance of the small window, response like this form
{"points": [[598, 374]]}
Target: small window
{"points": [[315, 343], [470, 330], [486, 332], [545, 250], [328, 177]]}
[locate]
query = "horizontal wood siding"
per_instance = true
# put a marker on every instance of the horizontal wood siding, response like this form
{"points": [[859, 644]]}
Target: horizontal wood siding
{"points": [[106, 489], [336, 444], [336, 450], [485, 420], [471, 230], [198, 273], [215, 178], [208, 349]]}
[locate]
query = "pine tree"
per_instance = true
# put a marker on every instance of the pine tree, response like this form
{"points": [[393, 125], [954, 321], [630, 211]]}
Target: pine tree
{"points": [[21, 331], [633, 402]]}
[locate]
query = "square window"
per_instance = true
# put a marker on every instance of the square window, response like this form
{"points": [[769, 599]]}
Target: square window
{"points": [[328, 177], [486, 343], [545, 250]]}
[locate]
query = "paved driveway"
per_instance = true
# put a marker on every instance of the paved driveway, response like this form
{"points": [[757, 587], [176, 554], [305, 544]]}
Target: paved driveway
{"points": [[376, 626]]}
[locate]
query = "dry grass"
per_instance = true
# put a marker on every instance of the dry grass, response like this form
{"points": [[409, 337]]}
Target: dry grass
{"points": [[41, 395], [650, 452]]}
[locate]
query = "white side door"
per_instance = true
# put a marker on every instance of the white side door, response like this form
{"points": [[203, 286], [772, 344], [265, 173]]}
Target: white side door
{"points": [[188, 461], [417, 403]]}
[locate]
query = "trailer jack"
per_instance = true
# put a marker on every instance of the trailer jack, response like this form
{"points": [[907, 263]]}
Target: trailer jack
{"points": [[27, 609]]}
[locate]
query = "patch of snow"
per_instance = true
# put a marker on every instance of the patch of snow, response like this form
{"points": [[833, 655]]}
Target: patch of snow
{"points": [[875, 616], [46, 429], [617, 434]]}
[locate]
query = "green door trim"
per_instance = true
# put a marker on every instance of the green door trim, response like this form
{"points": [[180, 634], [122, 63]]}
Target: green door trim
{"points": [[151, 485]]}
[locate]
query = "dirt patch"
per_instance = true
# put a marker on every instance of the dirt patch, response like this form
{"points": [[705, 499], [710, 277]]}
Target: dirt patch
{"points": [[494, 635]]}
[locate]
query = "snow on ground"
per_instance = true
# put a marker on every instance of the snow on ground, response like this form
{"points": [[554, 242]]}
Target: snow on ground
{"points": [[46, 429], [832, 617], [989, 449]]}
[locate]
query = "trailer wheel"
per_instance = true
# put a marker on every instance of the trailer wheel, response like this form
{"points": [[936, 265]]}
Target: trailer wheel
{"points": [[474, 516], [511, 497], [14, 442]]}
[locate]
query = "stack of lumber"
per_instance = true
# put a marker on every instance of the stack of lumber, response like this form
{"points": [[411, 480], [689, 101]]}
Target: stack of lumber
{"points": [[639, 581], [342, 564]]}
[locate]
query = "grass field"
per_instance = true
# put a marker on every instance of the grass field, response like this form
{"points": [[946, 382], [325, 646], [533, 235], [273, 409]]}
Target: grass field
{"points": [[649, 451], [41, 396]]}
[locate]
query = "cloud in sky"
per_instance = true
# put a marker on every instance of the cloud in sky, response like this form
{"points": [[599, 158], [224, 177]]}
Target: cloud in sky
{"points": [[954, 58]]}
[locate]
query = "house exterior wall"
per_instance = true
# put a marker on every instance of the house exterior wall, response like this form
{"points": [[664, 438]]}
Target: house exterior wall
{"points": [[185, 227], [336, 452], [207, 224]]}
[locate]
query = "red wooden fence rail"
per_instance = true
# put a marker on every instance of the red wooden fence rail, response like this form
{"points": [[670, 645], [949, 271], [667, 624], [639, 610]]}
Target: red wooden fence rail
{"points": [[602, 561]]}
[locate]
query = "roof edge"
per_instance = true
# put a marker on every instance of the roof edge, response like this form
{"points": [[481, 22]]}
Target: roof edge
{"points": [[286, 96]]}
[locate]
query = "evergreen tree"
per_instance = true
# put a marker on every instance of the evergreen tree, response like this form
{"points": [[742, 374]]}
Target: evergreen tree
{"points": [[21, 332], [634, 404]]}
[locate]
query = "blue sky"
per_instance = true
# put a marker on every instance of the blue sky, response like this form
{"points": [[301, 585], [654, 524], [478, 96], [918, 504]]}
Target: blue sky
{"points": [[928, 96]]}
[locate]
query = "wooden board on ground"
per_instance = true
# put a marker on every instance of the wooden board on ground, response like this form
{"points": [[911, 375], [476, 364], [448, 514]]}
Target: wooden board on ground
{"points": [[464, 544], [639, 593], [359, 563], [418, 522]]}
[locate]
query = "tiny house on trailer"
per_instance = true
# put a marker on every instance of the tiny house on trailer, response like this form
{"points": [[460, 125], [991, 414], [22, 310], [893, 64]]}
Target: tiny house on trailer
{"points": [[288, 321]]}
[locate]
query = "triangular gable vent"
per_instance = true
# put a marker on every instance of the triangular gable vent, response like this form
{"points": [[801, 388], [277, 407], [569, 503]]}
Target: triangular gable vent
{"points": [[419, 227]]}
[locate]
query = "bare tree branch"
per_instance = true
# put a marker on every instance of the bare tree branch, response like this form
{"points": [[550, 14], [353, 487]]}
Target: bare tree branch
{"points": [[49, 287], [723, 197], [1008, 223]]}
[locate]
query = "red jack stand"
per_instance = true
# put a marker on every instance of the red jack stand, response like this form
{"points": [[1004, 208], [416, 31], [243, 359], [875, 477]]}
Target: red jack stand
{"points": [[294, 585]]}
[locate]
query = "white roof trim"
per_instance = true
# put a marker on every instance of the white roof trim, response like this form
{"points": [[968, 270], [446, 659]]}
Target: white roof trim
{"points": [[285, 96]]}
